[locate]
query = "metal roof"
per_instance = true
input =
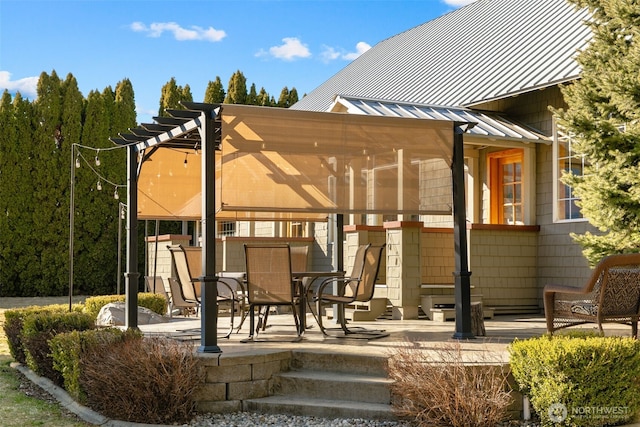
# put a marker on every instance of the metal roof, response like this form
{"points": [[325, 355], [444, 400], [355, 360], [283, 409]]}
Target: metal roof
{"points": [[487, 124], [486, 50]]}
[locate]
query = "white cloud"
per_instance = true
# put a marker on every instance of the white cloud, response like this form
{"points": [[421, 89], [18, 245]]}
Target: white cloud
{"points": [[28, 87], [179, 33], [291, 49], [458, 3], [361, 48], [329, 53]]}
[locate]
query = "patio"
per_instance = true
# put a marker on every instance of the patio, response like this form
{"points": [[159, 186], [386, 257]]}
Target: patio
{"points": [[500, 332], [249, 376]]}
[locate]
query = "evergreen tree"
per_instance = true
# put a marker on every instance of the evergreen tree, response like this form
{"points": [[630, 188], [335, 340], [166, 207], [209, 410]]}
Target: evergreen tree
{"points": [[237, 89], [293, 96], [263, 98], [603, 118], [214, 93], [170, 97], [252, 97], [283, 100]]}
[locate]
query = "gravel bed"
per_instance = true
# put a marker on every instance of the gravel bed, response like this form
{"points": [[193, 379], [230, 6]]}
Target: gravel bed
{"points": [[250, 419]]}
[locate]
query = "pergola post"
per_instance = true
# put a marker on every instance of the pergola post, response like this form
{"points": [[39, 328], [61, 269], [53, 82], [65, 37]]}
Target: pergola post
{"points": [[461, 273], [132, 274], [208, 280]]}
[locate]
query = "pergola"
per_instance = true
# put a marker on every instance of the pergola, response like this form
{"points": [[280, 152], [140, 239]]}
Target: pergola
{"points": [[264, 163]]}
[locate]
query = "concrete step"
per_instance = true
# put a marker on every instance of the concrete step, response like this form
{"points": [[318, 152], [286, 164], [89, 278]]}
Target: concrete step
{"points": [[336, 385], [327, 408], [330, 385], [330, 361]]}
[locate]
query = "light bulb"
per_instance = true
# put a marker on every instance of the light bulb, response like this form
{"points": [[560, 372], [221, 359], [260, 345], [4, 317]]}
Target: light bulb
{"points": [[115, 194], [77, 162], [97, 161], [99, 186]]}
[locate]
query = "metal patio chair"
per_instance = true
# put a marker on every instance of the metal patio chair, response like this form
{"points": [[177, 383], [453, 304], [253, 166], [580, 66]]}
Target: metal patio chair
{"points": [[269, 282], [359, 286]]}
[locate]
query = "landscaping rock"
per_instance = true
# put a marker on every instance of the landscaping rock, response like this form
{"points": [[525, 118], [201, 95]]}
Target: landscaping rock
{"points": [[113, 314]]}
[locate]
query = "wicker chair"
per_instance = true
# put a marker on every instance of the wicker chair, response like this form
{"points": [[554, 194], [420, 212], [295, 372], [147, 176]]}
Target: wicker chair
{"points": [[612, 295]]}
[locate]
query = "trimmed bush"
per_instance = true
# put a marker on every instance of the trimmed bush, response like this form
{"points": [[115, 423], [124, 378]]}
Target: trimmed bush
{"points": [[153, 302], [39, 328], [579, 380], [436, 388], [149, 381], [67, 350], [14, 319]]}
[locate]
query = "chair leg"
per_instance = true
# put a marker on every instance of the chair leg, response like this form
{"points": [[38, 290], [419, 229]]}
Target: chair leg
{"points": [[319, 316]]}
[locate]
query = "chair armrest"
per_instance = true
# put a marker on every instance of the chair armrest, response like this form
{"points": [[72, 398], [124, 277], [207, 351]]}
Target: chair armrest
{"points": [[553, 288], [339, 280]]}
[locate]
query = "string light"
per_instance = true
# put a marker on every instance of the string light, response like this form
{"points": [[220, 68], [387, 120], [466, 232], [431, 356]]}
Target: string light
{"points": [[99, 186], [97, 158], [115, 194], [78, 161]]}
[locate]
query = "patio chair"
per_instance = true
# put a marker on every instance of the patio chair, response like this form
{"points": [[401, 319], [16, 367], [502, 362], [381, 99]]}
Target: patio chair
{"points": [[178, 301], [612, 295], [181, 268], [232, 294], [155, 285], [299, 262], [237, 281], [269, 282], [359, 286]]}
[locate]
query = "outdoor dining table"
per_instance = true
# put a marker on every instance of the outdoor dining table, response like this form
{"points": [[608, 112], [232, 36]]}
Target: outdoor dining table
{"points": [[305, 288]]}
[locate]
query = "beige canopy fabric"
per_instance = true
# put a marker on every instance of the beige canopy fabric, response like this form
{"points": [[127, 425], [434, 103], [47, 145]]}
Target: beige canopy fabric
{"points": [[280, 164]]}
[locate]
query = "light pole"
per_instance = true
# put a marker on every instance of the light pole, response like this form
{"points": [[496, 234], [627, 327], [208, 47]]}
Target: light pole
{"points": [[122, 212], [74, 164]]}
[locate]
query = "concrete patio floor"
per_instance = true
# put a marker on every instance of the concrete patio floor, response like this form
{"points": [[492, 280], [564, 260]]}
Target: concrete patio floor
{"points": [[430, 335]]}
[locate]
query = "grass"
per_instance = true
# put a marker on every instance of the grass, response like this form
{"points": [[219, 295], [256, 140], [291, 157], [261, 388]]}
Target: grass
{"points": [[16, 408]]}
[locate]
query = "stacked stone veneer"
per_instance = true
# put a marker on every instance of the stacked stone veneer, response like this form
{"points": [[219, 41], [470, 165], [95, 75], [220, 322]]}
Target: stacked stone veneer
{"points": [[230, 380]]}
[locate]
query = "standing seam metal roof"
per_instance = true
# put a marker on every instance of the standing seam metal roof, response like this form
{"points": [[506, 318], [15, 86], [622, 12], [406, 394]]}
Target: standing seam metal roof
{"points": [[487, 124], [486, 50]]}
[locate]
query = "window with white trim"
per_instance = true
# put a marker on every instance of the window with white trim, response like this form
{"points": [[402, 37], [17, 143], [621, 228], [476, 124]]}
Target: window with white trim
{"points": [[566, 160]]}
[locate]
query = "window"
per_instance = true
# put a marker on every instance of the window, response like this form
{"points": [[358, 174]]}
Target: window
{"points": [[567, 161], [506, 184], [226, 228]]}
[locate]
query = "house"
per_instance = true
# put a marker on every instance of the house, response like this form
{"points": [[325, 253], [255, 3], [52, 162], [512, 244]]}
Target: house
{"points": [[503, 61], [498, 64]]}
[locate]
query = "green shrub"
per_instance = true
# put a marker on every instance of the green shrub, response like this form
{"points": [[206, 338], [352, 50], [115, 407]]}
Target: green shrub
{"points": [[14, 319], [150, 381], [579, 380], [67, 350], [153, 302], [39, 328]]}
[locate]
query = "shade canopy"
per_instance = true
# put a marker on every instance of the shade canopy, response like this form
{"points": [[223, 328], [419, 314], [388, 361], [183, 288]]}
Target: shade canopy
{"points": [[280, 164]]}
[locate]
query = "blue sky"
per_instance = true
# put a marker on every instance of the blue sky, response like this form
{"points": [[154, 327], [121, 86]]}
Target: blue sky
{"points": [[275, 43]]}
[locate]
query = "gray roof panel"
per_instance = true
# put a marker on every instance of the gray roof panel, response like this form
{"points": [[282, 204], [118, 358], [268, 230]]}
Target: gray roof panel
{"points": [[487, 124], [486, 50]]}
